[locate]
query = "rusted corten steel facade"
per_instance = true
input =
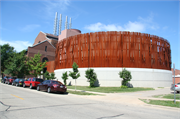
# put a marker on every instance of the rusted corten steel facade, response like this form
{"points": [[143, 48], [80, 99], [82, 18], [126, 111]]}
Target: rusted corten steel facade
{"points": [[114, 49]]}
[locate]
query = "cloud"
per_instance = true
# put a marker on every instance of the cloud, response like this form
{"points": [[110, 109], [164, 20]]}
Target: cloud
{"points": [[52, 6], [141, 25], [130, 26], [18, 45], [29, 28]]}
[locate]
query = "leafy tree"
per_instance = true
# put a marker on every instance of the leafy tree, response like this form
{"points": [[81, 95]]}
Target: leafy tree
{"points": [[126, 76], [75, 73], [17, 66], [35, 65], [49, 75], [91, 76], [64, 77], [7, 52]]}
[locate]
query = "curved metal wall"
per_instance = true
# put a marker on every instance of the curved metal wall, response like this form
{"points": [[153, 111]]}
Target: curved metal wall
{"points": [[114, 49]]}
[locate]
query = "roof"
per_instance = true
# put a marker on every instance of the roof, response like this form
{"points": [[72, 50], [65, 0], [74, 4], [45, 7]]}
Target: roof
{"points": [[50, 36], [42, 42]]}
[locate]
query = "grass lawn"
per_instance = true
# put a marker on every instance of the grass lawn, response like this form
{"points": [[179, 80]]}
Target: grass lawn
{"points": [[80, 92], [162, 103], [109, 89], [168, 96]]}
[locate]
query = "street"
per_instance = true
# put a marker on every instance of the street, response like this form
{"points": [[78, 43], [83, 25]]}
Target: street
{"points": [[21, 103]]}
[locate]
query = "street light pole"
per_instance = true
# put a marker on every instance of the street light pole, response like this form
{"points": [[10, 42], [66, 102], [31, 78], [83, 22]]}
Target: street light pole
{"points": [[174, 83]]}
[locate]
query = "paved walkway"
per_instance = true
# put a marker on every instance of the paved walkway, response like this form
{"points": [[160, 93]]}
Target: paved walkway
{"points": [[132, 98]]}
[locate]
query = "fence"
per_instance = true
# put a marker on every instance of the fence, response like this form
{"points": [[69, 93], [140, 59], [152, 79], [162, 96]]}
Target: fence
{"points": [[114, 49]]}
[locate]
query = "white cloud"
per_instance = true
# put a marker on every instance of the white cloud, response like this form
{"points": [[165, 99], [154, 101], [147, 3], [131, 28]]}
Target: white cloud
{"points": [[137, 26], [130, 26], [29, 28], [18, 45], [52, 6]]}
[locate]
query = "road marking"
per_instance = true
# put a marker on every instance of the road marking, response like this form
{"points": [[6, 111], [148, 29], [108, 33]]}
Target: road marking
{"points": [[17, 97]]}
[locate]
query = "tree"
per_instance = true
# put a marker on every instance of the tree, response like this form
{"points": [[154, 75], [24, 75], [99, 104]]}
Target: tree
{"points": [[64, 77], [35, 65], [75, 73], [49, 75], [17, 66], [126, 76], [7, 53], [91, 76]]}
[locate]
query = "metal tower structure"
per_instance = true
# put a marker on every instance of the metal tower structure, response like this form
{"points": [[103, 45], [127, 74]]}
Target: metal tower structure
{"points": [[60, 23], [66, 23], [70, 24], [55, 24]]}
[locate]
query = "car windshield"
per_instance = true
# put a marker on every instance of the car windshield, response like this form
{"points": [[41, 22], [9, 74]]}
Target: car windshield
{"points": [[56, 82], [21, 79]]}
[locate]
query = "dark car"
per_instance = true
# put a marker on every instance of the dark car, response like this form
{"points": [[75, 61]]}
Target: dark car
{"points": [[51, 86], [4, 79], [32, 82], [18, 82], [10, 80]]}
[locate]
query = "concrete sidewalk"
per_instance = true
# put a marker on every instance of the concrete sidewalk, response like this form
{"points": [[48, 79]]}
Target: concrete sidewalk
{"points": [[131, 98]]}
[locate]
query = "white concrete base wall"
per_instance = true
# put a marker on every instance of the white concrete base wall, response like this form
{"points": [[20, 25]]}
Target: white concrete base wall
{"points": [[141, 77]]}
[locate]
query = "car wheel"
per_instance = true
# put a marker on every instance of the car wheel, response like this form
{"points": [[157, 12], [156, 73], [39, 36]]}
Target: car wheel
{"points": [[177, 91], [30, 86], [49, 90], [38, 88], [16, 84], [24, 85]]}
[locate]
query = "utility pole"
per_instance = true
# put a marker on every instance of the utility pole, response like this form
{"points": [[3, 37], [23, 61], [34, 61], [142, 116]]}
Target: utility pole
{"points": [[174, 83]]}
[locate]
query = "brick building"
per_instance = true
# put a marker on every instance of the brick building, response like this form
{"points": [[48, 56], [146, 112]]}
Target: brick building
{"points": [[45, 44], [177, 76]]}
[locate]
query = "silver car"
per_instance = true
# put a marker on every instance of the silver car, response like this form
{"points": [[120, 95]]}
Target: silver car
{"points": [[177, 87]]}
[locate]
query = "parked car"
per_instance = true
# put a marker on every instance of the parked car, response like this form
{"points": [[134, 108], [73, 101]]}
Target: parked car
{"points": [[51, 86], [177, 87], [10, 80], [32, 82], [18, 82], [7, 80], [4, 79]]}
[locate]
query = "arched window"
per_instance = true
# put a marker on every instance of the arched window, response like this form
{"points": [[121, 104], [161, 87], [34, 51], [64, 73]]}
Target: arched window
{"points": [[45, 59]]}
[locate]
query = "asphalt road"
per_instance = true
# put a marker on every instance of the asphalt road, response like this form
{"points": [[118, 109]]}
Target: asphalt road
{"points": [[25, 103]]}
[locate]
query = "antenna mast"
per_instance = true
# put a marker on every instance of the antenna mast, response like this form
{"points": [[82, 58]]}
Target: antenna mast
{"points": [[60, 23], [70, 24], [55, 23], [66, 23]]}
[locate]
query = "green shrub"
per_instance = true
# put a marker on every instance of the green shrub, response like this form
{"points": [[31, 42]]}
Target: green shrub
{"points": [[91, 76], [126, 76]]}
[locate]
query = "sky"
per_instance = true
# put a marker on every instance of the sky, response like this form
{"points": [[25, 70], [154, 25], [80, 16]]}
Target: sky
{"points": [[22, 20]]}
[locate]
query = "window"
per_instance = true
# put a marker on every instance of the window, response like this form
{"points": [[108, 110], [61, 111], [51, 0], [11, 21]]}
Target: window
{"points": [[45, 48], [45, 59]]}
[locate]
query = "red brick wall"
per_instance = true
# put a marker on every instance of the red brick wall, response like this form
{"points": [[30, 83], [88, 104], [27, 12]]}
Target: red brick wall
{"points": [[50, 54], [53, 42], [50, 66], [177, 80], [41, 37], [176, 71]]}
